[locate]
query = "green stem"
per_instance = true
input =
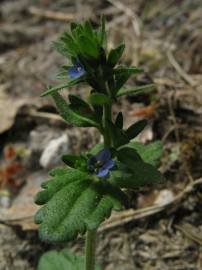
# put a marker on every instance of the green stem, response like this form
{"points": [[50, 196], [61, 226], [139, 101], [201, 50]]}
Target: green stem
{"points": [[91, 234], [90, 250]]}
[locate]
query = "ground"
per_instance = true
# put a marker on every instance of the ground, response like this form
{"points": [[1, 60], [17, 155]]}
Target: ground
{"points": [[162, 229]]}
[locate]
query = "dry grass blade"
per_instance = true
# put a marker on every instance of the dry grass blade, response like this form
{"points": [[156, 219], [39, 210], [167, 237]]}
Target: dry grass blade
{"points": [[179, 70], [129, 13], [190, 232], [131, 215], [49, 14]]}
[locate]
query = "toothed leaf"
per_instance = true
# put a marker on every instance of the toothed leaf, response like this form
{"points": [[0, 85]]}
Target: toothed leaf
{"points": [[74, 202]]}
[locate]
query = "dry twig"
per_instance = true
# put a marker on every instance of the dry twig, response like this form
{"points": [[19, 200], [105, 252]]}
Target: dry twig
{"points": [[129, 13], [178, 68], [131, 215], [190, 232], [49, 14]]}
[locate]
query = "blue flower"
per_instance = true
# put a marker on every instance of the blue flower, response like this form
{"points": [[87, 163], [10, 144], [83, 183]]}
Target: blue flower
{"points": [[101, 163], [76, 71]]}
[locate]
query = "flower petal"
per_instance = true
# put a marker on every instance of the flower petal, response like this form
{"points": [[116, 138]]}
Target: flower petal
{"points": [[102, 172], [109, 164], [103, 156], [76, 71]]}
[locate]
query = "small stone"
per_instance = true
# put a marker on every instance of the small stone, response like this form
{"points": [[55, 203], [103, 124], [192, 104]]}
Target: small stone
{"points": [[51, 155], [41, 137], [5, 199], [165, 196]]}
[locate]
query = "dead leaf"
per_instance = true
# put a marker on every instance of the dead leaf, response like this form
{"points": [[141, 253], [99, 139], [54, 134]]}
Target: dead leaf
{"points": [[23, 207]]}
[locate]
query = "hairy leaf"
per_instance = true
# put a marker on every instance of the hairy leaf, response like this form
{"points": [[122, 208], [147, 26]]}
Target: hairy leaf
{"points": [[96, 148], [137, 175], [78, 162], [101, 35], [61, 260], [74, 114], [87, 46], [137, 90], [122, 74], [76, 100], [150, 153], [132, 171], [74, 202], [115, 55], [127, 71], [52, 90]]}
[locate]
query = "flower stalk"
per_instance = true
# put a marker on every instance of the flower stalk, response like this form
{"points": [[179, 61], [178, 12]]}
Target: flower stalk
{"points": [[91, 234], [90, 250]]}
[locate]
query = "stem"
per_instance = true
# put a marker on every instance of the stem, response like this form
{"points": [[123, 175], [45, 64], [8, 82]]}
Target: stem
{"points": [[90, 250], [91, 234]]}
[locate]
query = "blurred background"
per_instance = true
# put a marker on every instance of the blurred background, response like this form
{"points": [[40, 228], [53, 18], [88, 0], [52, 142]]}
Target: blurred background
{"points": [[162, 229]]}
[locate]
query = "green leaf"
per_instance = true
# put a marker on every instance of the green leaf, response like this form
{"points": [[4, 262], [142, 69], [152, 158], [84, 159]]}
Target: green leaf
{"points": [[60, 47], [122, 74], [76, 100], [74, 115], [78, 162], [99, 99], [135, 129], [127, 71], [120, 80], [119, 120], [137, 175], [52, 90], [102, 33], [89, 30], [115, 55], [132, 171], [70, 44], [61, 178], [66, 45], [75, 204], [87, 46], [150, 153], [61, 260], [128, 155], [96, 148], [118, 136], [137, 90], [73, 26]]}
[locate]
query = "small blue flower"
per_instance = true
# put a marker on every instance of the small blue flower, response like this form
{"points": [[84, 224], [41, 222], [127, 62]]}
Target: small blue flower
{"points": [[101, 163], [76, 71]]}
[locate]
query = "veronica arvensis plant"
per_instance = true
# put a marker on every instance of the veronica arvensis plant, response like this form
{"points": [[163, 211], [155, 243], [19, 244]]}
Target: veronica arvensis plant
{"points": [[82, 194]]}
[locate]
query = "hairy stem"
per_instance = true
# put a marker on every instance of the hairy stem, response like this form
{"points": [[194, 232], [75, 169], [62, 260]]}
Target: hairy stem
{"points": [[91, 234], [90, 250]]}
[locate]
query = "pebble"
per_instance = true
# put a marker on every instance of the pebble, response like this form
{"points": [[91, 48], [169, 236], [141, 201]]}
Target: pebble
{"points": [[165, 196], [52, 153]]}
